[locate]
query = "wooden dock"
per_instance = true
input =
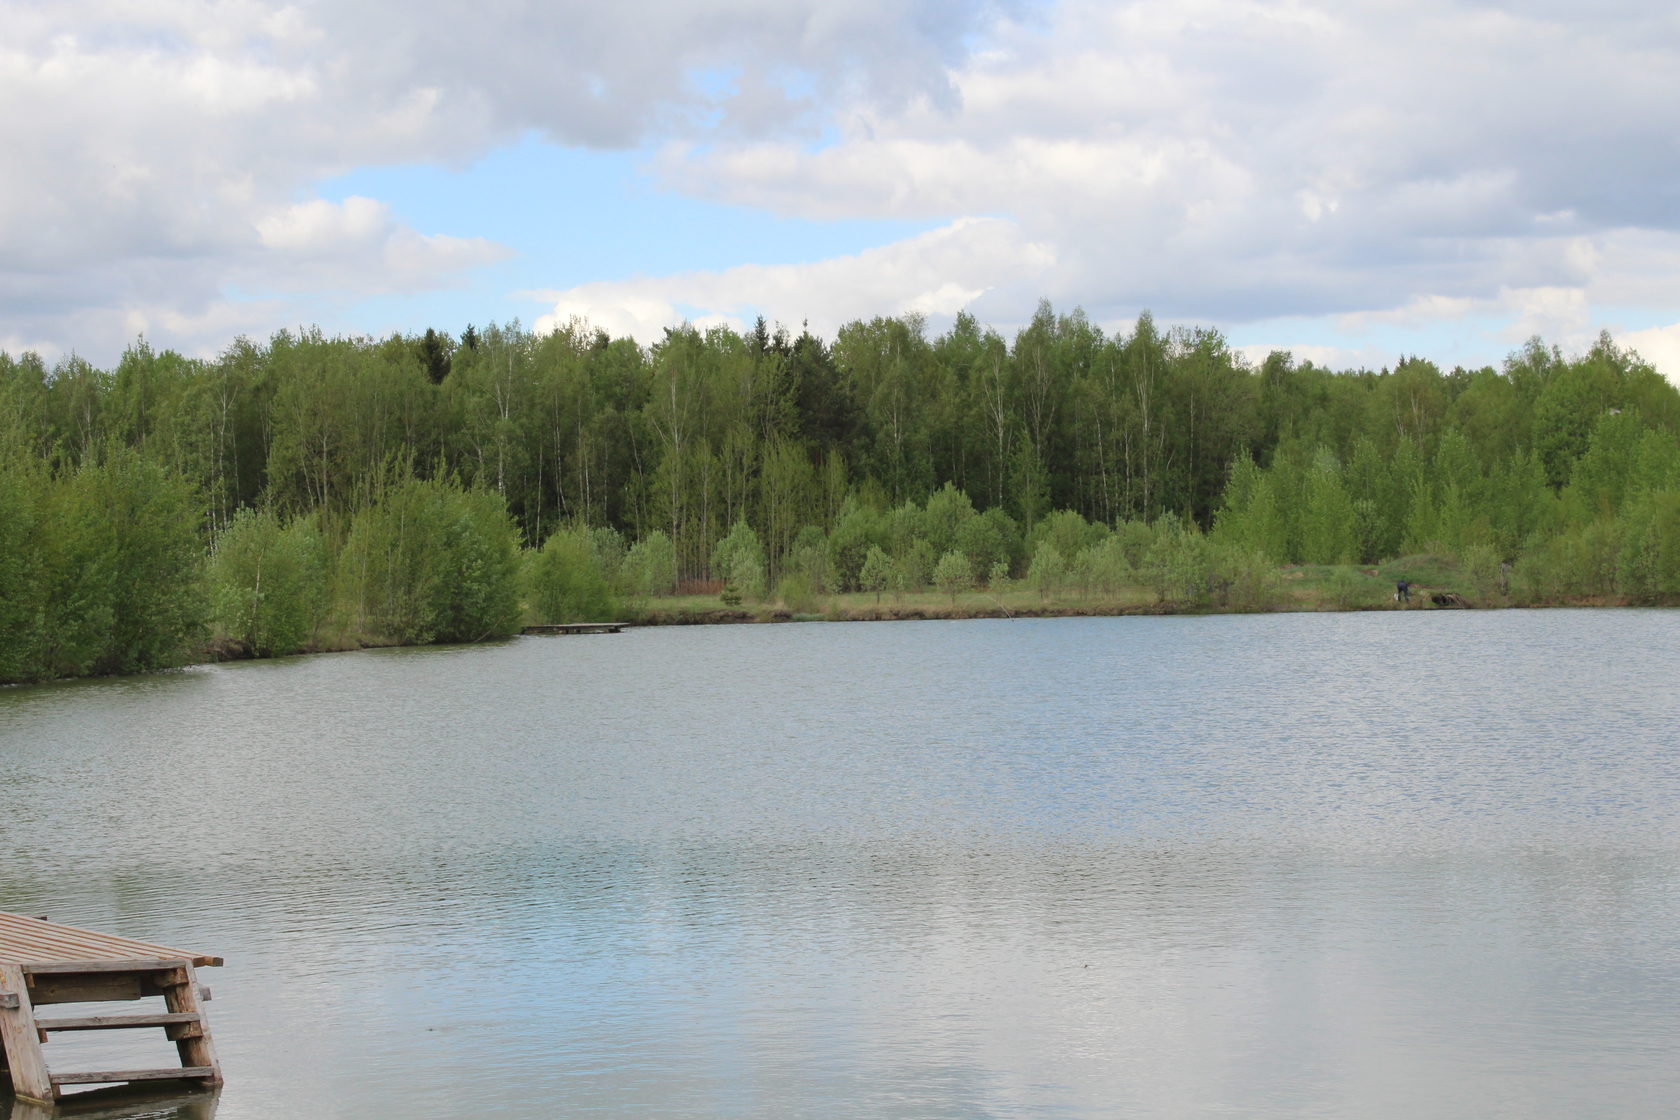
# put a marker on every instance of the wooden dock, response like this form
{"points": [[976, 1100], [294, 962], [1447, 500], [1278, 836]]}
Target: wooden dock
{"points": [[575, 628], [43, 963]]}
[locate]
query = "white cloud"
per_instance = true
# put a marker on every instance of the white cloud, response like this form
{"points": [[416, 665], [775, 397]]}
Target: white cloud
{"points": [[935, 274], [1236, 160], [1217, 161], [162, 158], [1326, 357], [357, 244], [319, 225], [1415, 313], [1561, 314], [1658, 345]]}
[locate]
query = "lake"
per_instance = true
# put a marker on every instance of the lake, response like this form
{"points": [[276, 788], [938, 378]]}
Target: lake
{"points": [[1396, 864]]}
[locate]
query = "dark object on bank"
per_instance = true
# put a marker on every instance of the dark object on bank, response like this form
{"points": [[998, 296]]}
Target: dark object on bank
{"points": [[575, 628], [1449, 599], [42, 963]]}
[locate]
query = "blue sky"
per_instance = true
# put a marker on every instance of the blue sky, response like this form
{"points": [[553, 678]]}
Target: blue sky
{"points": [[1443, 178], [575, 215]]}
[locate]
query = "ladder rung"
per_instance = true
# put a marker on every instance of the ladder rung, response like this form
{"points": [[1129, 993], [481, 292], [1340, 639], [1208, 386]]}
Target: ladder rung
{"points": [[101, 1076], [118, 1022]]}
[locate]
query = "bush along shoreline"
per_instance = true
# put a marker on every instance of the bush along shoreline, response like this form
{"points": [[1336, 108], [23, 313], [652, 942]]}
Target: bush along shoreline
{"points": [[1434, 583], [432, 562], [314, 493]]}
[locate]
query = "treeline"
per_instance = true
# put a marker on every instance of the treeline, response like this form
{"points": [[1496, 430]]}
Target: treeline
{"points": [[322, 490]]}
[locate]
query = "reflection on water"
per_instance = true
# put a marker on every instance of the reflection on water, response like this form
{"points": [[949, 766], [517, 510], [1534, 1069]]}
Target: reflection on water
{"points": [[117, 1104], [1374, 865]]}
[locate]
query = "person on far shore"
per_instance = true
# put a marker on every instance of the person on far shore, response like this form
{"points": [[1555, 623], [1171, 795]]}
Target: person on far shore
{"points": [[1402, 592]]}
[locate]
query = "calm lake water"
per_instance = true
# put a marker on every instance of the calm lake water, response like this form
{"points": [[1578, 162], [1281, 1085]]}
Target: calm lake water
{"points": [[1421, 864]]}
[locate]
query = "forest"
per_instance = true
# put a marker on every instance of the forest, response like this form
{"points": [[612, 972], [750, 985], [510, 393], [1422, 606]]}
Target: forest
{"points": [[319, 492]]}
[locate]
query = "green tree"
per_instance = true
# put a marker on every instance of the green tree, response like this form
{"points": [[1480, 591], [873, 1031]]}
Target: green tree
{"points": [[1029, 482], [1648, 560], [23, 574], [649, 568], [947, 514], [1250, 519], [1105, 567], [268, 582], [916, 564], [1568, 409], [1179, 563], [953, 574], [565, 582], [856, 531], [75, 558], [431, 562], [809, 558], [102, 568], [1329, 525], [1048, 572], [1607, 467], [788, 491], [484, 569], [990, 539], [879, 572], [739, 560], [155, 563]]}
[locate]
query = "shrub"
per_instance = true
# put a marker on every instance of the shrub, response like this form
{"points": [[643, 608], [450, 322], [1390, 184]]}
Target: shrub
{"points": [[268, 582], [809, 558], [916, 564], [1179, 564], [990, 539], [609, 548], [739, 560], [796, 593], [856, 530], [1648, 561], [953, 574], [431, 563], [564, 580], [1246, 580], [120, 565], [879, 572], [1104, 568], [649, 568], [1048, 571], [1480, 565]]}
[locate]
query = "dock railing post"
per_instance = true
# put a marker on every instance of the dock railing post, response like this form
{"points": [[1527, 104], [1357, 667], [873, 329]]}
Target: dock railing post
{"points": [[192, 1040], [21, 1038]]}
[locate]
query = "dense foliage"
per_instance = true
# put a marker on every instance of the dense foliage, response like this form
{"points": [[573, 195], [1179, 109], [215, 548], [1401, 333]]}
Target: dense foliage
{"points": [[320, 490]]}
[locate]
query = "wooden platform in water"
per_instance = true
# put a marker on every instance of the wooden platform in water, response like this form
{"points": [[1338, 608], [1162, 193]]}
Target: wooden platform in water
{"points": [[575, 628], [43, 963], [31, 941]]}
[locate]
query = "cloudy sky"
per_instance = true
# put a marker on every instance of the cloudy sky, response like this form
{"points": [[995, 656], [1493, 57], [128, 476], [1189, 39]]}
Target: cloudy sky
{"points": [[1351, 181]]}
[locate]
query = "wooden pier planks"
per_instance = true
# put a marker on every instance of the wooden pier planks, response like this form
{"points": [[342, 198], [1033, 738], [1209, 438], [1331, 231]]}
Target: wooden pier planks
{"points": [[44, 962], [34, 941]]}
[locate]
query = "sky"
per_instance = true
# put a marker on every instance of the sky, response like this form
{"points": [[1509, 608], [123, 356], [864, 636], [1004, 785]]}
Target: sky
{"points": [[1350, 181]]}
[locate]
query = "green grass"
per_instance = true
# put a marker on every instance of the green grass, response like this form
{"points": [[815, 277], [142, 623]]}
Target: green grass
{"points": [[1302, 587], [1434, 572]]}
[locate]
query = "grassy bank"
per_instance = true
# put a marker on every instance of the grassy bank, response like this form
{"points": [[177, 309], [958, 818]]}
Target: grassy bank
{"points": [[1328, 587], [1437, 583]]}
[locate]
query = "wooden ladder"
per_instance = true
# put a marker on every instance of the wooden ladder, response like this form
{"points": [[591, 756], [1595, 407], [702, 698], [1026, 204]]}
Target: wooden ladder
{"points": [[24, 987]]}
